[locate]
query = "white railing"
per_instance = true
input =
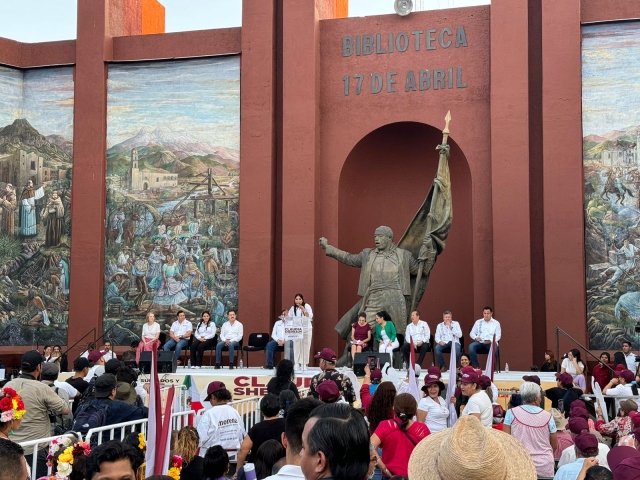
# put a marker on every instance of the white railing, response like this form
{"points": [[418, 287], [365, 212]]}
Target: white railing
{"points": [[249, 410], [180, 398], [178, 420], [36, 444]]}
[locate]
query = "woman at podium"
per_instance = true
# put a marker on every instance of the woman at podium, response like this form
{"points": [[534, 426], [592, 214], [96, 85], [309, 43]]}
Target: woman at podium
{"points": [[302, 314]]}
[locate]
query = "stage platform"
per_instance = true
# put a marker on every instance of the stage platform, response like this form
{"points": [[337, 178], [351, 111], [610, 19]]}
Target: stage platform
{"points": [[251, 382]]}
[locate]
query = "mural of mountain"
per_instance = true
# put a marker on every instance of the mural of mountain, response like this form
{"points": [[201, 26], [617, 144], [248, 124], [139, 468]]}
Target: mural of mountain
{"points": [[180, 144], [21, 135], [64, 143]]}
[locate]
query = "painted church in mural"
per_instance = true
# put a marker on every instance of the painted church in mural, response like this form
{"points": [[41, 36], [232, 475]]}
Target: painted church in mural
{"points": [[173, 164], [36, 157], [611, 155]]}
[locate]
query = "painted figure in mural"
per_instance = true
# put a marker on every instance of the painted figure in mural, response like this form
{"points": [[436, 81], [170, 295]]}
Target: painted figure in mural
{"points": [[193, 278], [156, 258], [613, 185], [210, 266], [28, 209], [117, 287], [623, 270], [225, 255], [194, 227], [42, 316], [9, 203], [169, 285], [139, 270], [124, 259], [64, 276], [53, 219], [117, 223]]}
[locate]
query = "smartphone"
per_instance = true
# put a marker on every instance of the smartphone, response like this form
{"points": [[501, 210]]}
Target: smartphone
{"points": [[372, 362]]}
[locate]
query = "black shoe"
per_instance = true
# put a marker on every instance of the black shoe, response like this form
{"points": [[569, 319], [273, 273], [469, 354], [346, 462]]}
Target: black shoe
{"points": [[269, 367], [217, 367], [231, 366]]}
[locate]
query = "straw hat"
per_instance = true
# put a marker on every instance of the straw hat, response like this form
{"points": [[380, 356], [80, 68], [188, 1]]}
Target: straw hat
{"points": [[469, 451], [558, 417]]}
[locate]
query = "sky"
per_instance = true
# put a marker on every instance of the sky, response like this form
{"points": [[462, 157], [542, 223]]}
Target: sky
{"points": [[141, 93], [610, 77], [49, 20]]}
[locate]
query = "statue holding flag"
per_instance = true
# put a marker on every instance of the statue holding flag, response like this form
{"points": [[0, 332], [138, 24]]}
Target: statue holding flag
{"points": [[394, 277]]}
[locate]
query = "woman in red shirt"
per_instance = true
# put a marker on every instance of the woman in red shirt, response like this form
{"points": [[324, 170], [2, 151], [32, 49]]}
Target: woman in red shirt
{"points": [[601, 373], [398, 437]]}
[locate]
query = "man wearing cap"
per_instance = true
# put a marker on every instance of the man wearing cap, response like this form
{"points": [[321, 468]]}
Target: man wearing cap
{"points": [[222, 424], [624, 463], [117, 410], [446, 332], [328, 392], [59, 423], [180, 333], [565, 391], [620, 386], [585, 446], [419, 331], [576, 426], [96, 359], [39, 400], [328, 360]]}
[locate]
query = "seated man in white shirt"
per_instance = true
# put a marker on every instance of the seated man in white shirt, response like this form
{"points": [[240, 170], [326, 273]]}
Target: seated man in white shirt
{"points": [[180, 333], [278, 339], [482, 335], [445, 334], [109, 354], [419, 331], [230, 336]]}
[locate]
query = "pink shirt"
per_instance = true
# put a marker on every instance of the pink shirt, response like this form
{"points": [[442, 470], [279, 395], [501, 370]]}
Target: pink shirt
{"points": [[396, 447]]}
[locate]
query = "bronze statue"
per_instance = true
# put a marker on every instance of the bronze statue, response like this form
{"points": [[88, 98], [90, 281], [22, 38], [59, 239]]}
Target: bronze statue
{"points": [[394, 278]]}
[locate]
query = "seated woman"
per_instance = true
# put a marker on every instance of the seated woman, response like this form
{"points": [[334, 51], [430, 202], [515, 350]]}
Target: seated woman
{"points": [[573, 366], [360, 335], [550, 363], [602, 372], [386, 333]]}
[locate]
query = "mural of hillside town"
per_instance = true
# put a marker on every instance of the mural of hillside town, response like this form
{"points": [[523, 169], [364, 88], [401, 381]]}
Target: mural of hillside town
{"points": [[611, 129], [36, 152], [173, 167]]}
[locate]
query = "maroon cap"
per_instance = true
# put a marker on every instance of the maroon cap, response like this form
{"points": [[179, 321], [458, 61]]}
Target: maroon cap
{"points": [[484, 381], [628, 469], [328, 391], [95, 356], [620, 367], [327, 354], [470, 377], [432, 378], [579, 412], [435, 371], [586, 442], [468, 369], [498, 411], [214, 387], [564, 378], [578, 404], [577, 425], [636, 432], [376, 374], [635, 418], [627, 375], [619, 456], [532, 378]]}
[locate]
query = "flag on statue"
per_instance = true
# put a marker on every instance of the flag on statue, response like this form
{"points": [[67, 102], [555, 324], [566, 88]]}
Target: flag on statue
{"points": [[413, 383], [193, 393]]}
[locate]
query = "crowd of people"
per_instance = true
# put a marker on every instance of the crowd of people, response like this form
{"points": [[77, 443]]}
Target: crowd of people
{"points": [[342, 429]]}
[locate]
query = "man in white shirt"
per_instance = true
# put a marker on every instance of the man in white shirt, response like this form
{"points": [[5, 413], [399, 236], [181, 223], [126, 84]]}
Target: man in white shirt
{"points": [[90, 348], [278, 339], [419, 331], [446, 332], [230, 336], [620, 386], [297, 416], [180, 333], [108, 353], [629, 356], [482, 334]]}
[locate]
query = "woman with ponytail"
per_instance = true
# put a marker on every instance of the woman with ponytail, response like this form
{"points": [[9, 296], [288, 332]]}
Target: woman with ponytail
{"points": [[398, 437]]}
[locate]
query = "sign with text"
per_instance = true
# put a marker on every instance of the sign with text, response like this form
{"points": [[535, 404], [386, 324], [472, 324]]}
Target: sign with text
{"points": [[293, 330], [420, 79]]}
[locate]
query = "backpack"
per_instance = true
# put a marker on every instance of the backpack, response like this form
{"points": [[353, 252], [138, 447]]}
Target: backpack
{"points": [[90, 415], [88, 395]]}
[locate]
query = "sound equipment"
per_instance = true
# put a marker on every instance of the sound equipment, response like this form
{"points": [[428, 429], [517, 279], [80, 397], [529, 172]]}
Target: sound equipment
{"points": [[166, 362], [403, 7], [363, 358]]}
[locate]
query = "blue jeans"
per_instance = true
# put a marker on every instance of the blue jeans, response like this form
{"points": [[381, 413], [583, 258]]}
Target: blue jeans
{"points": [[178, 346], [272, 346], [446, 348], [475, 348], [232, 348]]}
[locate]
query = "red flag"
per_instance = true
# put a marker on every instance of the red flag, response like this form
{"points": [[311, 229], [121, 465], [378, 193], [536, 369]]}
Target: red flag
{"points": [[161, 451], [154, 428]]}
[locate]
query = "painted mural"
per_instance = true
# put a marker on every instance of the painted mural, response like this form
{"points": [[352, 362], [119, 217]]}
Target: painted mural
{"points": [[36, 157], [173, 168], [611, 129]]}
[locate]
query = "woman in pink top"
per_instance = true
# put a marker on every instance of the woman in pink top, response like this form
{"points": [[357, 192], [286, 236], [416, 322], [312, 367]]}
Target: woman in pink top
{"points": [[398, 437], [534, 427]]}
